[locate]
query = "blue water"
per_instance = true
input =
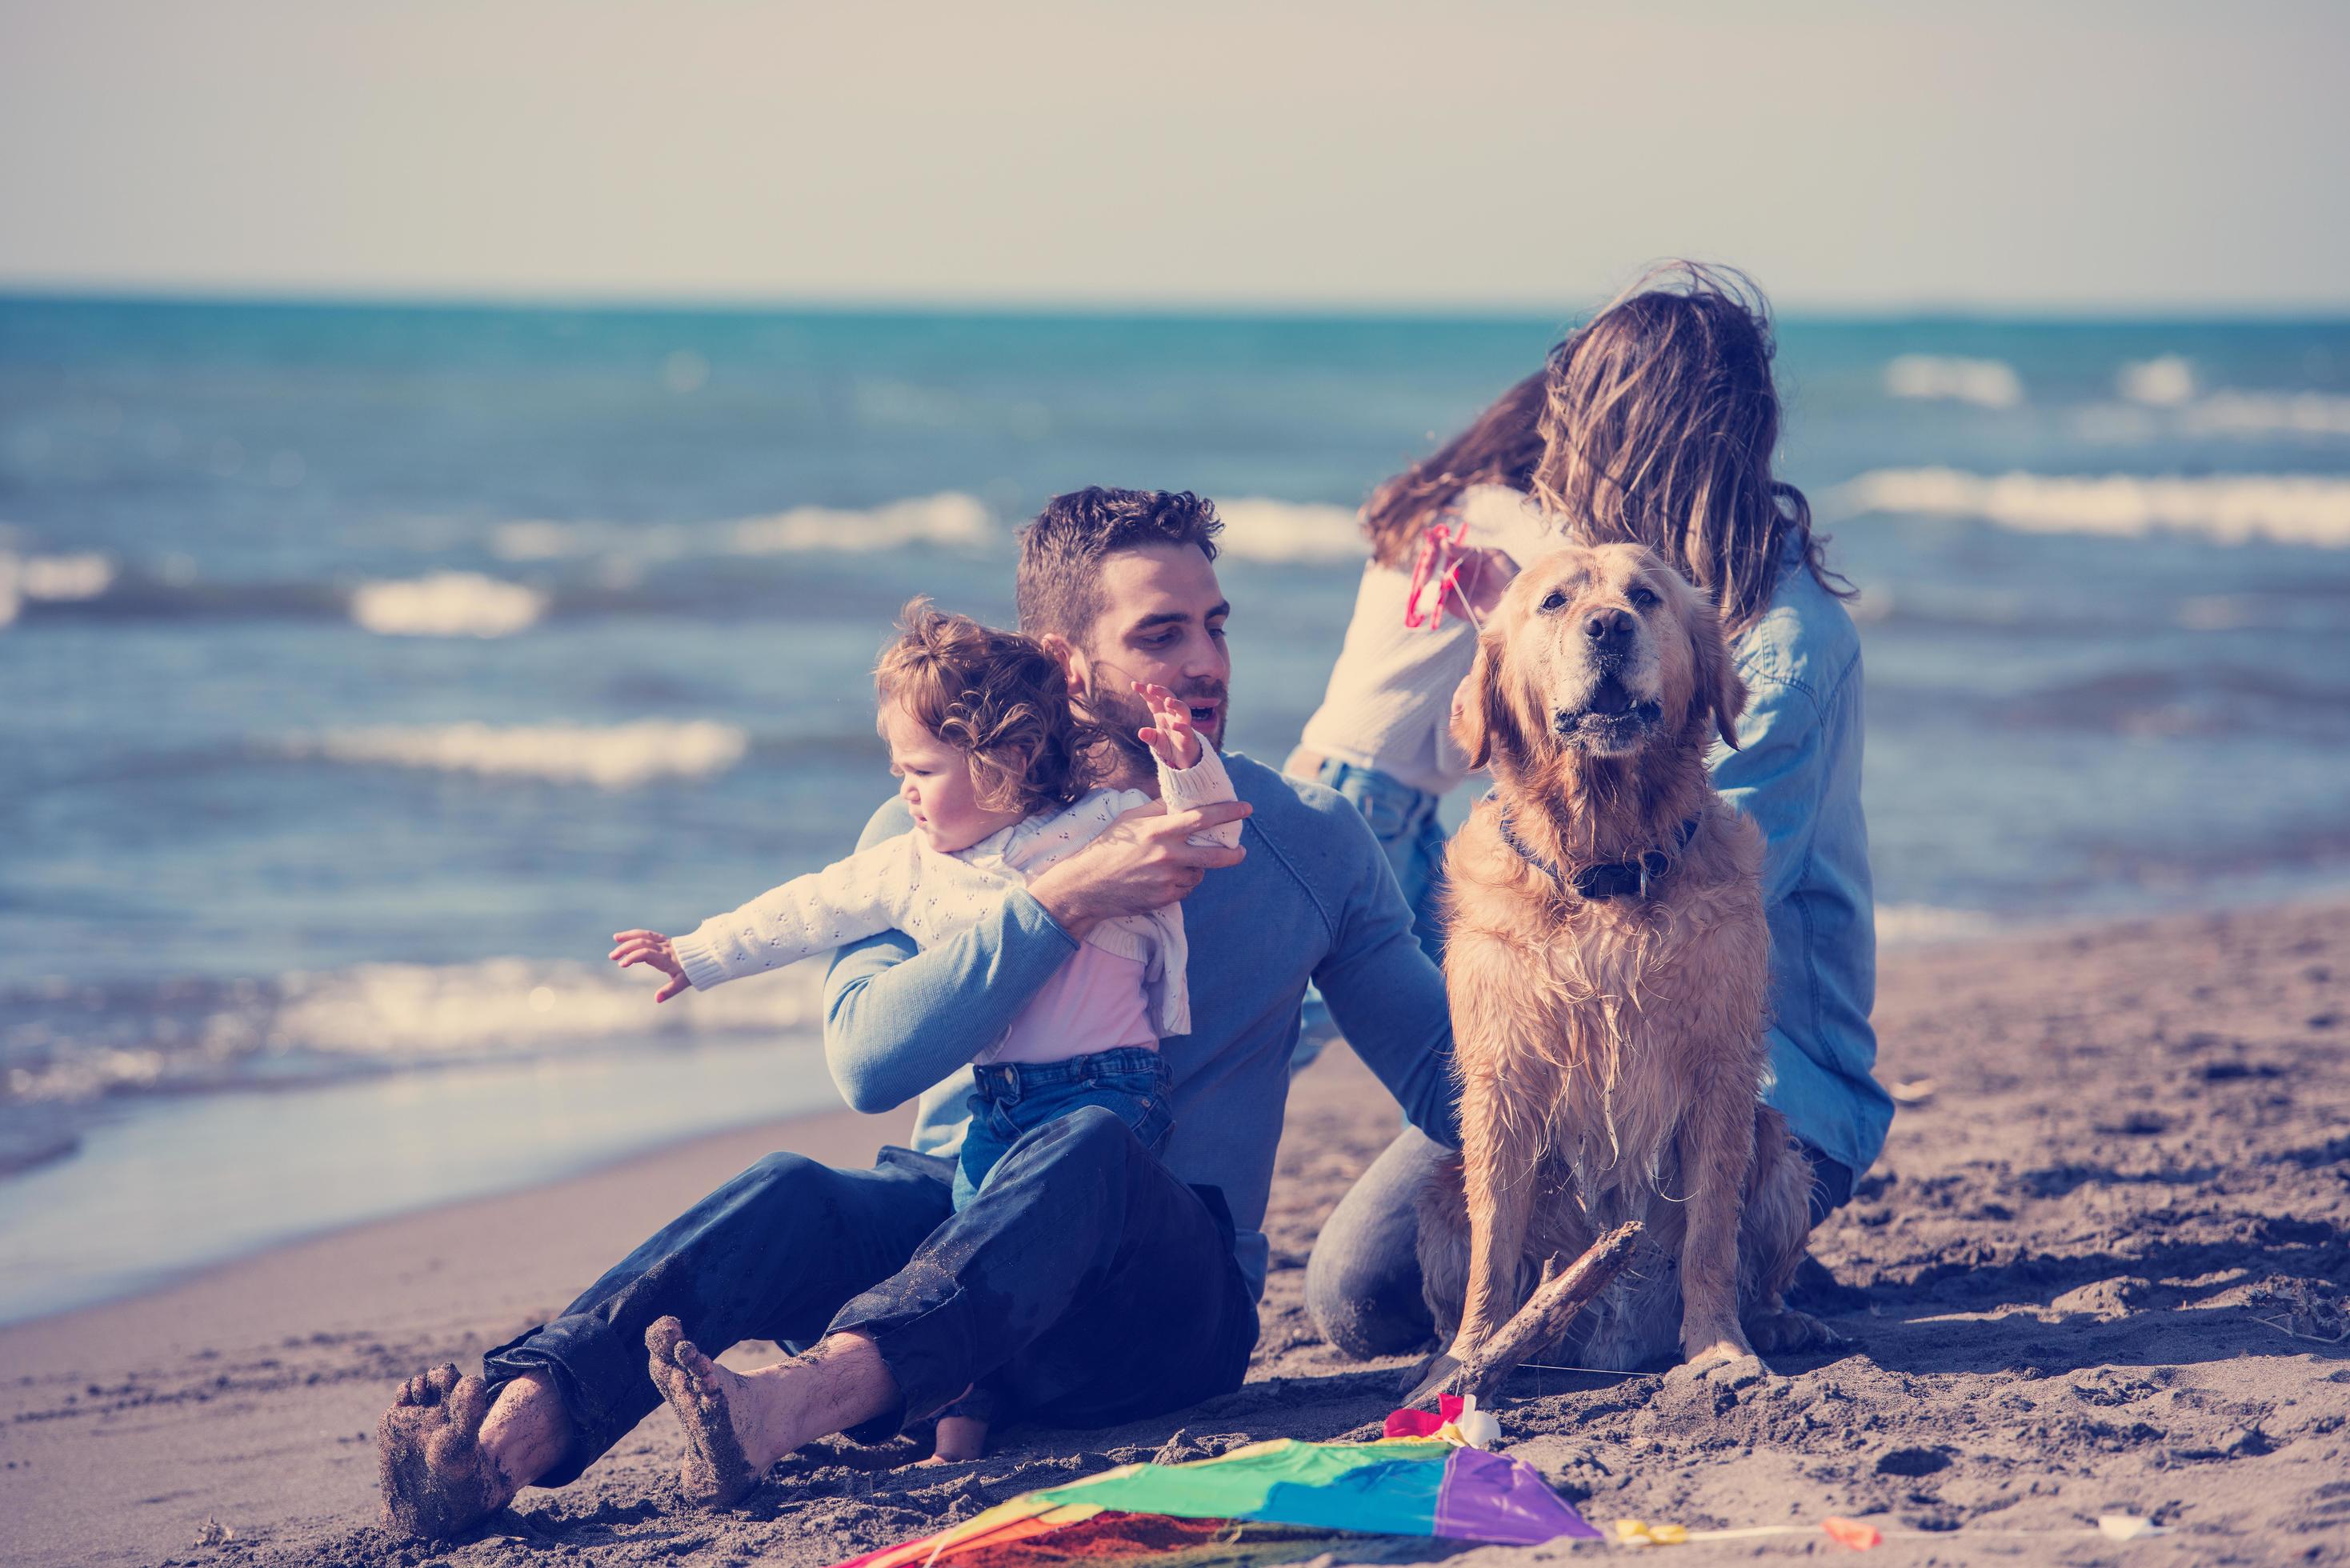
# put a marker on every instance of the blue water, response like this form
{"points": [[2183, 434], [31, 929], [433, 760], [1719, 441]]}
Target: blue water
{"points": [[369, 667]]}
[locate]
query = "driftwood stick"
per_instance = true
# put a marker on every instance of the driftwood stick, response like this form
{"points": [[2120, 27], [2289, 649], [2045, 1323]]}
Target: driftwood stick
{"points": [[1544, 1318]]}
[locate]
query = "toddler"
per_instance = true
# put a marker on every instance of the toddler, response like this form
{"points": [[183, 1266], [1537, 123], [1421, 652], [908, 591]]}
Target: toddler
{"points": [[998, 771]]}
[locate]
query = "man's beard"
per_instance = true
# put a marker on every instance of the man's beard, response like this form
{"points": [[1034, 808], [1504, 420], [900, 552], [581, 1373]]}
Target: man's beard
{"points": [[1122, 714]]}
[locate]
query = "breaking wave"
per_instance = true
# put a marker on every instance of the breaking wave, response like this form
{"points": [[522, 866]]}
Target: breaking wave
{"points": [[1987, 383], [57, 579], [446, 604], [1256, 529], [950, 520], [615, 756], [2230, 509], [66, 1041]]}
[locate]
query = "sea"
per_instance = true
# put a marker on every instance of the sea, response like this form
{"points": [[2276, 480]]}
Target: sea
{"points": [[366, 666]]}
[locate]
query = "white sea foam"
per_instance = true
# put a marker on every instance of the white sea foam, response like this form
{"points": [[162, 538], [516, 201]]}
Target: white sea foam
{"points": [[2166, 381], [950, 518], [81, 1041], [447, 603], [2230, 412], [1256, 529], [1916, 925], [1989, 383], [62, 579], [2232, 509], [410, 1011], [615, 756]]}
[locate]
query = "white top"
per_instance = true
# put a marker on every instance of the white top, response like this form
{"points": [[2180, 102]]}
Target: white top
{"points": [[902, 884], [1389, 702]]}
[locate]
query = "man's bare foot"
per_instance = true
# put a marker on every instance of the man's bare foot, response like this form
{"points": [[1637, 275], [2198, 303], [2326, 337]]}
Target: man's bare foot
{"points": [[437, 1481], [715, 1473]]}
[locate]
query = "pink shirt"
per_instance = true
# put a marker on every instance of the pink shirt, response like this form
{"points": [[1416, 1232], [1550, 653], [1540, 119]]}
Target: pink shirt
{"points": [[1094, 1002]]}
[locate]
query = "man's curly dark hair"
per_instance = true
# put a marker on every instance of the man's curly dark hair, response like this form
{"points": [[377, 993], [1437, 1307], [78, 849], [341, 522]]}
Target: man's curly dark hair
{"points": [[1058, 587]]}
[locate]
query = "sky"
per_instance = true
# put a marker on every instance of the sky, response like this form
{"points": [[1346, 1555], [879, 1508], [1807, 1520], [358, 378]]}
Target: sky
{"points": [[1474, 154]]}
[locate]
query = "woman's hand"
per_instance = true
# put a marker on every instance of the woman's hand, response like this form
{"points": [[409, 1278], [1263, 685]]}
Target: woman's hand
{"points": [[1170, 737], [1485, 576], [652, 947]]}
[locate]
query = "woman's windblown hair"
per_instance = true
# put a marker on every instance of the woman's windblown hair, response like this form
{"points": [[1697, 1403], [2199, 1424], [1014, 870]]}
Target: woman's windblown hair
{"points": [[1659, 424], [998, 697], [1501, 446]]}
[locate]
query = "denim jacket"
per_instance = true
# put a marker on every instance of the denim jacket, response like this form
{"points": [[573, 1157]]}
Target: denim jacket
{"points": [[1797, 774], [1313, 901]]}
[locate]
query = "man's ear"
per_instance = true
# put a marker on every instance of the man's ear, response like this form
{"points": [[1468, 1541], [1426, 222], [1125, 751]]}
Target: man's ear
{"points": [[1715, 681], [1064, 653], [1481, 716]]}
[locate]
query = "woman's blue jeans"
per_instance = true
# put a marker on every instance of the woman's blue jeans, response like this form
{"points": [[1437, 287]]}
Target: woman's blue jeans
{"points": [[1404, 820]]}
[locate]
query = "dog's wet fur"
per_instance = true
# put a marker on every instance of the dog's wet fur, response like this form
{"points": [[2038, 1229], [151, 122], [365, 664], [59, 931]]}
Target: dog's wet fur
{"points": [[1611, 1050]]}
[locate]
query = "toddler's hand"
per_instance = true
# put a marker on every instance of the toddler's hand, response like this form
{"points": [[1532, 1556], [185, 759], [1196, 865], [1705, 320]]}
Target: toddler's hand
{"points": [[1171, 738], [652, 947]]}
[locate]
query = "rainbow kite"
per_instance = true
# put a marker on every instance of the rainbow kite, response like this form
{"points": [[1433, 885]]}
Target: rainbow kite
{"points": [[1403, 1486]]}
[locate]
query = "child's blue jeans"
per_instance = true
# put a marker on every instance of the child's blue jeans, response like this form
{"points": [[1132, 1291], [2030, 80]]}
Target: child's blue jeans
{"points": [[1013, 1098]]}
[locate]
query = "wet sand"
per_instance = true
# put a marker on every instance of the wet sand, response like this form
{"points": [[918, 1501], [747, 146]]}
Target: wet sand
{"points": [[2102, 1268]]}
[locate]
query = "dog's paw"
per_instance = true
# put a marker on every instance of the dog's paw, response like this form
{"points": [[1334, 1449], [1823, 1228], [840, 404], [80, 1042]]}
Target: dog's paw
{"points": [[1721, 1370], [1791, 1331]]}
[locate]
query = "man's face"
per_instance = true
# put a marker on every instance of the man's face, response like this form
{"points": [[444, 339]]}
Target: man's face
{"points": [[1162, 621]]}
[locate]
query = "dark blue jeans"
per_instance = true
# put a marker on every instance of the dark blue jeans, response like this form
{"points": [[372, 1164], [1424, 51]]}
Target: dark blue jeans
{"points": [[1010, 1100], [1404, 820], [1362, 1281], [1086, 1287]]}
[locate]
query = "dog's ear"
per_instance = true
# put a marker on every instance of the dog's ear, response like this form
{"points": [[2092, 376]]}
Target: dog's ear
{"points": [[1715, 680], [1481, 716]]}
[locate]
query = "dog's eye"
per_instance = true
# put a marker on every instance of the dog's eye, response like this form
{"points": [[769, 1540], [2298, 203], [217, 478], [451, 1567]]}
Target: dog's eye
{"points": [[1556, 601], [1641, 598]]}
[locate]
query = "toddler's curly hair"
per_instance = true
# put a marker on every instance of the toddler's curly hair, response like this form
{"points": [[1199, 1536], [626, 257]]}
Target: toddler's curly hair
{"points": [[999, 698]]}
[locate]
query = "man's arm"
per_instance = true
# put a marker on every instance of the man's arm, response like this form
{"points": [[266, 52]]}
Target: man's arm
{"points": [[898, 1019], [1387, 995]]}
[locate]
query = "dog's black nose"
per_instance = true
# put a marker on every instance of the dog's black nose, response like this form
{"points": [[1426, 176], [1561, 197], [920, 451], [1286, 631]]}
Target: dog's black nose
{"points": [[1607, 628]]}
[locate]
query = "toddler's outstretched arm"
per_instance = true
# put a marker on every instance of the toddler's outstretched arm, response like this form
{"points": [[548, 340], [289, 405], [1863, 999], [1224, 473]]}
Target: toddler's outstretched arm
{"points": [[891, 886]]}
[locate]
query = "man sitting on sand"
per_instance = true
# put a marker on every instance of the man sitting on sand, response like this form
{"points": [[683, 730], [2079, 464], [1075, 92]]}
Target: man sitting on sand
{"points": [[1088, 1283]]}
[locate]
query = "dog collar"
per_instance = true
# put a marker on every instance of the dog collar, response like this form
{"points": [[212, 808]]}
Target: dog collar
{"points": [[1617, 878]]}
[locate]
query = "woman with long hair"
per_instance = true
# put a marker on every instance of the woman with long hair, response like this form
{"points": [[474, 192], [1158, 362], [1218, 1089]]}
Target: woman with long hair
{"points": [[1380, 737], [1658, 423]]}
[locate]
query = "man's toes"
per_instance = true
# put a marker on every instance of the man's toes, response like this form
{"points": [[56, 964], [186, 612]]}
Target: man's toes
{"points": [[661, 1341], [696, 1366], [438, 1382], [469, 1402]]}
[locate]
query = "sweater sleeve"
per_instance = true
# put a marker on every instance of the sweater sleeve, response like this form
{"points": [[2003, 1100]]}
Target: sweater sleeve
{"points": [[898, 1019], [1204, 782], [1776, 775], [873, 890], [1387, 995]]}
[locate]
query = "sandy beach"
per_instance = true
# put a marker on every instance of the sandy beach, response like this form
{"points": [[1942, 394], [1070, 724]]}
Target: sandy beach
{"points": [[2102, 1268]]}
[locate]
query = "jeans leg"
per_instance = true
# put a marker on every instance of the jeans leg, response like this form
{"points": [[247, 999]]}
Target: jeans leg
{"points": [[770, 1255], [1831, 1181], [1425, 889], [1085, 1283], [982, 1147], [1362, 1280]]}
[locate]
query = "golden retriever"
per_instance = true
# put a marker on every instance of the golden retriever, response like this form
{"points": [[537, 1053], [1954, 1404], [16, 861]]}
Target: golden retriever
{"points": [[1607, 963]]}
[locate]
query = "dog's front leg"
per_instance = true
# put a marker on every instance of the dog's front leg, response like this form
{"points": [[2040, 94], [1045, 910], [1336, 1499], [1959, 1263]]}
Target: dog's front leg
{"points": [[1497, 1178], [1717, 1145]]}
